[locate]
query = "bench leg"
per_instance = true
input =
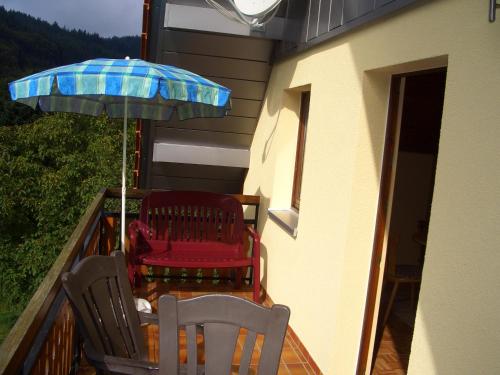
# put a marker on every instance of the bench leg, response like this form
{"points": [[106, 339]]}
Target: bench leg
{"points": [[256, 282], [134, 275], [238, 277], [131, 269]]}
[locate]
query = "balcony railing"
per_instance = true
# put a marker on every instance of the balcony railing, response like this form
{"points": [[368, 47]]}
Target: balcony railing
{"points": [[44, 339]]}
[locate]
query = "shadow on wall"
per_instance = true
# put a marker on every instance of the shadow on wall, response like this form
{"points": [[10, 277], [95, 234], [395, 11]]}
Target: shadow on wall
{"points": [[263, 217], [289, 101], [277, 100]]}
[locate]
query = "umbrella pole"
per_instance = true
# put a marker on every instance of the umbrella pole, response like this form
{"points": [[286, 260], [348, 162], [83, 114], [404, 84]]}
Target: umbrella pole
{"points": [[124, 181]]}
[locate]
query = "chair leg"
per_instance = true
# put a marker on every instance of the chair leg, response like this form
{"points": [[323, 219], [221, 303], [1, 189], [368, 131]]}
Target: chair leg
{"points": [[391, 301]]}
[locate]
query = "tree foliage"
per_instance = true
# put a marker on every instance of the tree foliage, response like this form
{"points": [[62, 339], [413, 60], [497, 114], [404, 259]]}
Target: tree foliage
{"points": [[51, 170], [51, 166]]}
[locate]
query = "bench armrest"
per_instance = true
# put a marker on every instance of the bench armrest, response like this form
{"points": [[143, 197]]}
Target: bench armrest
{"points": [[137, 229], [256, 241]]}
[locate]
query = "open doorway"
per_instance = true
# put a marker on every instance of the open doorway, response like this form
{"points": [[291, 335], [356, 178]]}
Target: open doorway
{"points": [[407, 185]]}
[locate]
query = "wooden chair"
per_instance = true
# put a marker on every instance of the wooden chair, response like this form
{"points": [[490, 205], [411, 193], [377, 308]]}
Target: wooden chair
{"points": [[397, 275], [101, 297], [191, 229], [222, 317]]}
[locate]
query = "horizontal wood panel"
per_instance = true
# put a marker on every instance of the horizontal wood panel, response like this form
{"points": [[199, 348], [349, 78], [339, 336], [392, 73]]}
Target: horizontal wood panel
{"points": [[196, 184], [245, 108], [218, 66], [242, 125], [202, 137], [241, 89], [198, 171], [217, 45]]}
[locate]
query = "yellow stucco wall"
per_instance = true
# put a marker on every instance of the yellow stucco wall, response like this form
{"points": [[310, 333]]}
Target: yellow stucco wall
{"points": [[323, 273]]}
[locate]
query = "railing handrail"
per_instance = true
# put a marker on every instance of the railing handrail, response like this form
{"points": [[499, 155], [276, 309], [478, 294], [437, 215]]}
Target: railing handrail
{"points": [[18, 342]]}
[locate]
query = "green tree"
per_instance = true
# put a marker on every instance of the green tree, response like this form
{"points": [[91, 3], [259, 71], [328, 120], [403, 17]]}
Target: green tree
{"points": [[51, 170]]}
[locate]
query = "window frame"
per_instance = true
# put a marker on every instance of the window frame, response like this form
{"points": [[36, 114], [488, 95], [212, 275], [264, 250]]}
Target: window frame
{"points": [[305, 99]]}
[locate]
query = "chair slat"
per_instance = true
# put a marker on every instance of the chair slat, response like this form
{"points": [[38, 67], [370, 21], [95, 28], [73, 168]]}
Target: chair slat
{"points": [[246, 355], [121, 317], [109, 316], [220, 343], [273, 339], [97, 331], [192, 349]]}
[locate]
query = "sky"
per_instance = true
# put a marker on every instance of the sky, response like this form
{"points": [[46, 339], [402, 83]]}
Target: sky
{"points": [[105, 17]]}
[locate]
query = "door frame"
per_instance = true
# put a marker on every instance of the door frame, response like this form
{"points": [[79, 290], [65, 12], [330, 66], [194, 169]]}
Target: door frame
{"points": [[382, 220], [389, 161]]}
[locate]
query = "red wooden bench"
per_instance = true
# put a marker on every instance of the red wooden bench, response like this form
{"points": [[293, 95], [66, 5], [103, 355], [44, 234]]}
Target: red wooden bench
{"points": [[192, 230]]}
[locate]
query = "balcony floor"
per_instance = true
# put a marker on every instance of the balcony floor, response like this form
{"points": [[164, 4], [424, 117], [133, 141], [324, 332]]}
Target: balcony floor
{"points": [[293, 359]]}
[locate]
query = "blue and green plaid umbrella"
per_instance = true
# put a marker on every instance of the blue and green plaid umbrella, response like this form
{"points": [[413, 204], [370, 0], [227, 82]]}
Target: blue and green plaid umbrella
{"points": [[153, 91], [123, 88]]}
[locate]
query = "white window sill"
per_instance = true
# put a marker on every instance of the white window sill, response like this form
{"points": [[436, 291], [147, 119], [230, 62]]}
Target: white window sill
{"points": [[287, 219]]}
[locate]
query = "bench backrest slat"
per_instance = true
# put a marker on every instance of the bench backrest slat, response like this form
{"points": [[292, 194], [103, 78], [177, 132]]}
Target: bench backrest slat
{"points": [[193, 216]]}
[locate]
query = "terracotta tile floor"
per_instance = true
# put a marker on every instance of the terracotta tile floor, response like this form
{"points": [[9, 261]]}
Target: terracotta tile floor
{"points": [[293, 360]]}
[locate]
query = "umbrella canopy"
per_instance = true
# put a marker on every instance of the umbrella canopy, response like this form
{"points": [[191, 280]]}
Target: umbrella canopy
{"points": [[153, 91], [128, 88]]}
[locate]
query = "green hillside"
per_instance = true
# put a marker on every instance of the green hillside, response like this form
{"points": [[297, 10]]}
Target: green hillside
{"points": [[51, 165], [29, 45]]}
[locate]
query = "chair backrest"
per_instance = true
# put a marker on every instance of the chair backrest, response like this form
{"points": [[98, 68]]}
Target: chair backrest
{"points": [[193, 216], [100, 294], [222, 317]]}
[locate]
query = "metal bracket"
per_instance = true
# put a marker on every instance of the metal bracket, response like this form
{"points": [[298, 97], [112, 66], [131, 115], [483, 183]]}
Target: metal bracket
{"points": [[493, 9]]}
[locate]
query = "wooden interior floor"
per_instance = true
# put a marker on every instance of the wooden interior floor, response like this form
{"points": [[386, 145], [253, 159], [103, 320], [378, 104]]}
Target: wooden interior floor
{"points": [[293, 361], [394, 350]]}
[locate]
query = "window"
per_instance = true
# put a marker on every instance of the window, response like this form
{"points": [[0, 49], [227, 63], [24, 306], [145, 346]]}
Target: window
{"points": [[301, 144]]}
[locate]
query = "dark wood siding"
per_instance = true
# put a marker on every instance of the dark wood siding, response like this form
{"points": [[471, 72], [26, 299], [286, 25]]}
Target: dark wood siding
{"points": [[240, 63], [217, 66], [229, 124]]}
